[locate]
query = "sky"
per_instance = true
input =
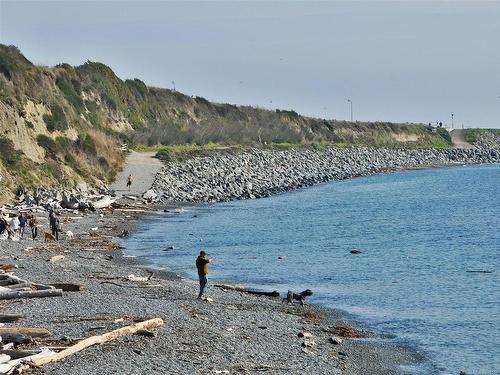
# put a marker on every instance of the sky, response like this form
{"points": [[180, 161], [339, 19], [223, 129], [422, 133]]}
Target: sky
{"points": [[399, 61]]}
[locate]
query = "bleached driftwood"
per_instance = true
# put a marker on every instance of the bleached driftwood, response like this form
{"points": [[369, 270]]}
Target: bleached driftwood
{"points": [[6, 368], [30, 293], [93, 340], [103, 202]]}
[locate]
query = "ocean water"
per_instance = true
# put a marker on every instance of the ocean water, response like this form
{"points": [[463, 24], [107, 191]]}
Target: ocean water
{"points": [[420, 232]]}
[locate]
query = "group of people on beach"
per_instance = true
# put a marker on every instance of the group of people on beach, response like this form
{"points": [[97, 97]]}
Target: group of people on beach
{"points": [[14, 226]]}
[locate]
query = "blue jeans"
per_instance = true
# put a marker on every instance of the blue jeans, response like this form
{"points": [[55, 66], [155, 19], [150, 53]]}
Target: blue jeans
{"points": [[203, 284]]}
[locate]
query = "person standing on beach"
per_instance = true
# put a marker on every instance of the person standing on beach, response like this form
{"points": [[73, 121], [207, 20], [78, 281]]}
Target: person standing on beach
{"points": [[34, 226], [202, 266], [129, 181], [23, 220], [54, 225], [15, 225]]}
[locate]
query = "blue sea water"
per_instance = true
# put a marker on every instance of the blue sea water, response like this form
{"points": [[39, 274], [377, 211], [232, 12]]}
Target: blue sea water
{"points": [[419, 233]]}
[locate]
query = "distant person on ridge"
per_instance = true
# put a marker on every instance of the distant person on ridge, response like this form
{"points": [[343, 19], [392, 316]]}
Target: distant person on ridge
{"points": [[202, 266], [129, 181]]}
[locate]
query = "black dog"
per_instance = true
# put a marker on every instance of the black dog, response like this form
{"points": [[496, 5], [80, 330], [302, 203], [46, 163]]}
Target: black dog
{"points": [[290, 296]]}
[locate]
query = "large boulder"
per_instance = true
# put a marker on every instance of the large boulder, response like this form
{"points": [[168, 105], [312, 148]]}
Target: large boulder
{"points": [[150, 195]]}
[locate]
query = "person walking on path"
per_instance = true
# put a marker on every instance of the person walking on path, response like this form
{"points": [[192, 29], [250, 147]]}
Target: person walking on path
{"points": [[202, 266], [54, 224], [129, 181], [34, 226]]}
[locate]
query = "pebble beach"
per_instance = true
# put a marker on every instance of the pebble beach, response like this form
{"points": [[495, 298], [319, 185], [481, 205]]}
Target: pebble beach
{"points": [[231, 333]]}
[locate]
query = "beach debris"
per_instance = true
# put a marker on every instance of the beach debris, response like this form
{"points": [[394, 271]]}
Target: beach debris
{"points": [[56, 258], [335, 340], [309, 343], [313, 316], [68, 287], [16, 338], [249, 291], [133, 277], [282, 257], [104, 202], [28, 331], [9, 318], [478, 271], [346, 331], [23, 363], [8, 267], [124, 233], [342, 354], [305, 334], [208, 299], [150, 196], [100, 339], [355, 251], [146, 332]]}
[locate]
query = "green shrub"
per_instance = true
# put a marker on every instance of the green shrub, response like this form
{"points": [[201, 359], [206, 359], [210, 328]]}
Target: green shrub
{"points": [[8, 154], [57, 120], [47, 143], [164, 154], [86, 143], [444, 134], [70, 93], [103, 162]]}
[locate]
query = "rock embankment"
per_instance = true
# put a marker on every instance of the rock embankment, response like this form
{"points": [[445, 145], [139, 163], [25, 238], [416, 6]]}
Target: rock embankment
{"points": [[261, 173]]}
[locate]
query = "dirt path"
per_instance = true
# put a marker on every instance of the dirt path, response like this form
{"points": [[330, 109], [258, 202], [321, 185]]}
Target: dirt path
{"points": [[143, 167], [458, 138]]}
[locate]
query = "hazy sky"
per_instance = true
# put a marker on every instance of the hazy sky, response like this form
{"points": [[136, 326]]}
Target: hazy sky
{"points": [[415, 61]]}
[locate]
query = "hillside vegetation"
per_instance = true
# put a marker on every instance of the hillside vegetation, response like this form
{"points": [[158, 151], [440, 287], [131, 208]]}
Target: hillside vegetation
{"points": [[63, 125]]}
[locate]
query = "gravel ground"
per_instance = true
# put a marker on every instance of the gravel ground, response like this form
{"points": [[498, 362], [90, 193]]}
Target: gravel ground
{"points": [[236, 333]]}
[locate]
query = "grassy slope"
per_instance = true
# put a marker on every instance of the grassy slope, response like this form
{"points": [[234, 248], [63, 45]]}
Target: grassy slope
{"points": [[90, 111]]}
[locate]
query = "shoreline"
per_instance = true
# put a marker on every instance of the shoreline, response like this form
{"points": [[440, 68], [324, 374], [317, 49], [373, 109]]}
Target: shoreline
{"points": [[231, 314], [172, 298]]}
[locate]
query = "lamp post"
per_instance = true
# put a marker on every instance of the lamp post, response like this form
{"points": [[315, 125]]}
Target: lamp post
{"points": [[350, 102], [452, 120], [173, 83]]}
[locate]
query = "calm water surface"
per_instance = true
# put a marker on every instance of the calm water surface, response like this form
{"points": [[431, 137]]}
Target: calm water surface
{"points": [[419, 233]]}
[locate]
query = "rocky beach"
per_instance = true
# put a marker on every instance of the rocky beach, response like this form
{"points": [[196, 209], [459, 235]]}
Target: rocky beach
{"points": [[233, 333]]}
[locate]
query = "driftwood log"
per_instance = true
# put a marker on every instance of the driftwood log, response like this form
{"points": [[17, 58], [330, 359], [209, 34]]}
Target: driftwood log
{"points": [[31, 294], [8, 367], [274, 293], [9, 318], [29, 331], [93, 340], [68, 287]]}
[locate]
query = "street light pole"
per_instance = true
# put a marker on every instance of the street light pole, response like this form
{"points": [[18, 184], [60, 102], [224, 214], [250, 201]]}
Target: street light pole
{"points": [[452, 120], [350, 102]]}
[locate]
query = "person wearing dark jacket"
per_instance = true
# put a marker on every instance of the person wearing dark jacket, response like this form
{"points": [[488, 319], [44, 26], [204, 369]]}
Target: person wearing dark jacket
{"points": [[54, 224], [202, 266]]}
